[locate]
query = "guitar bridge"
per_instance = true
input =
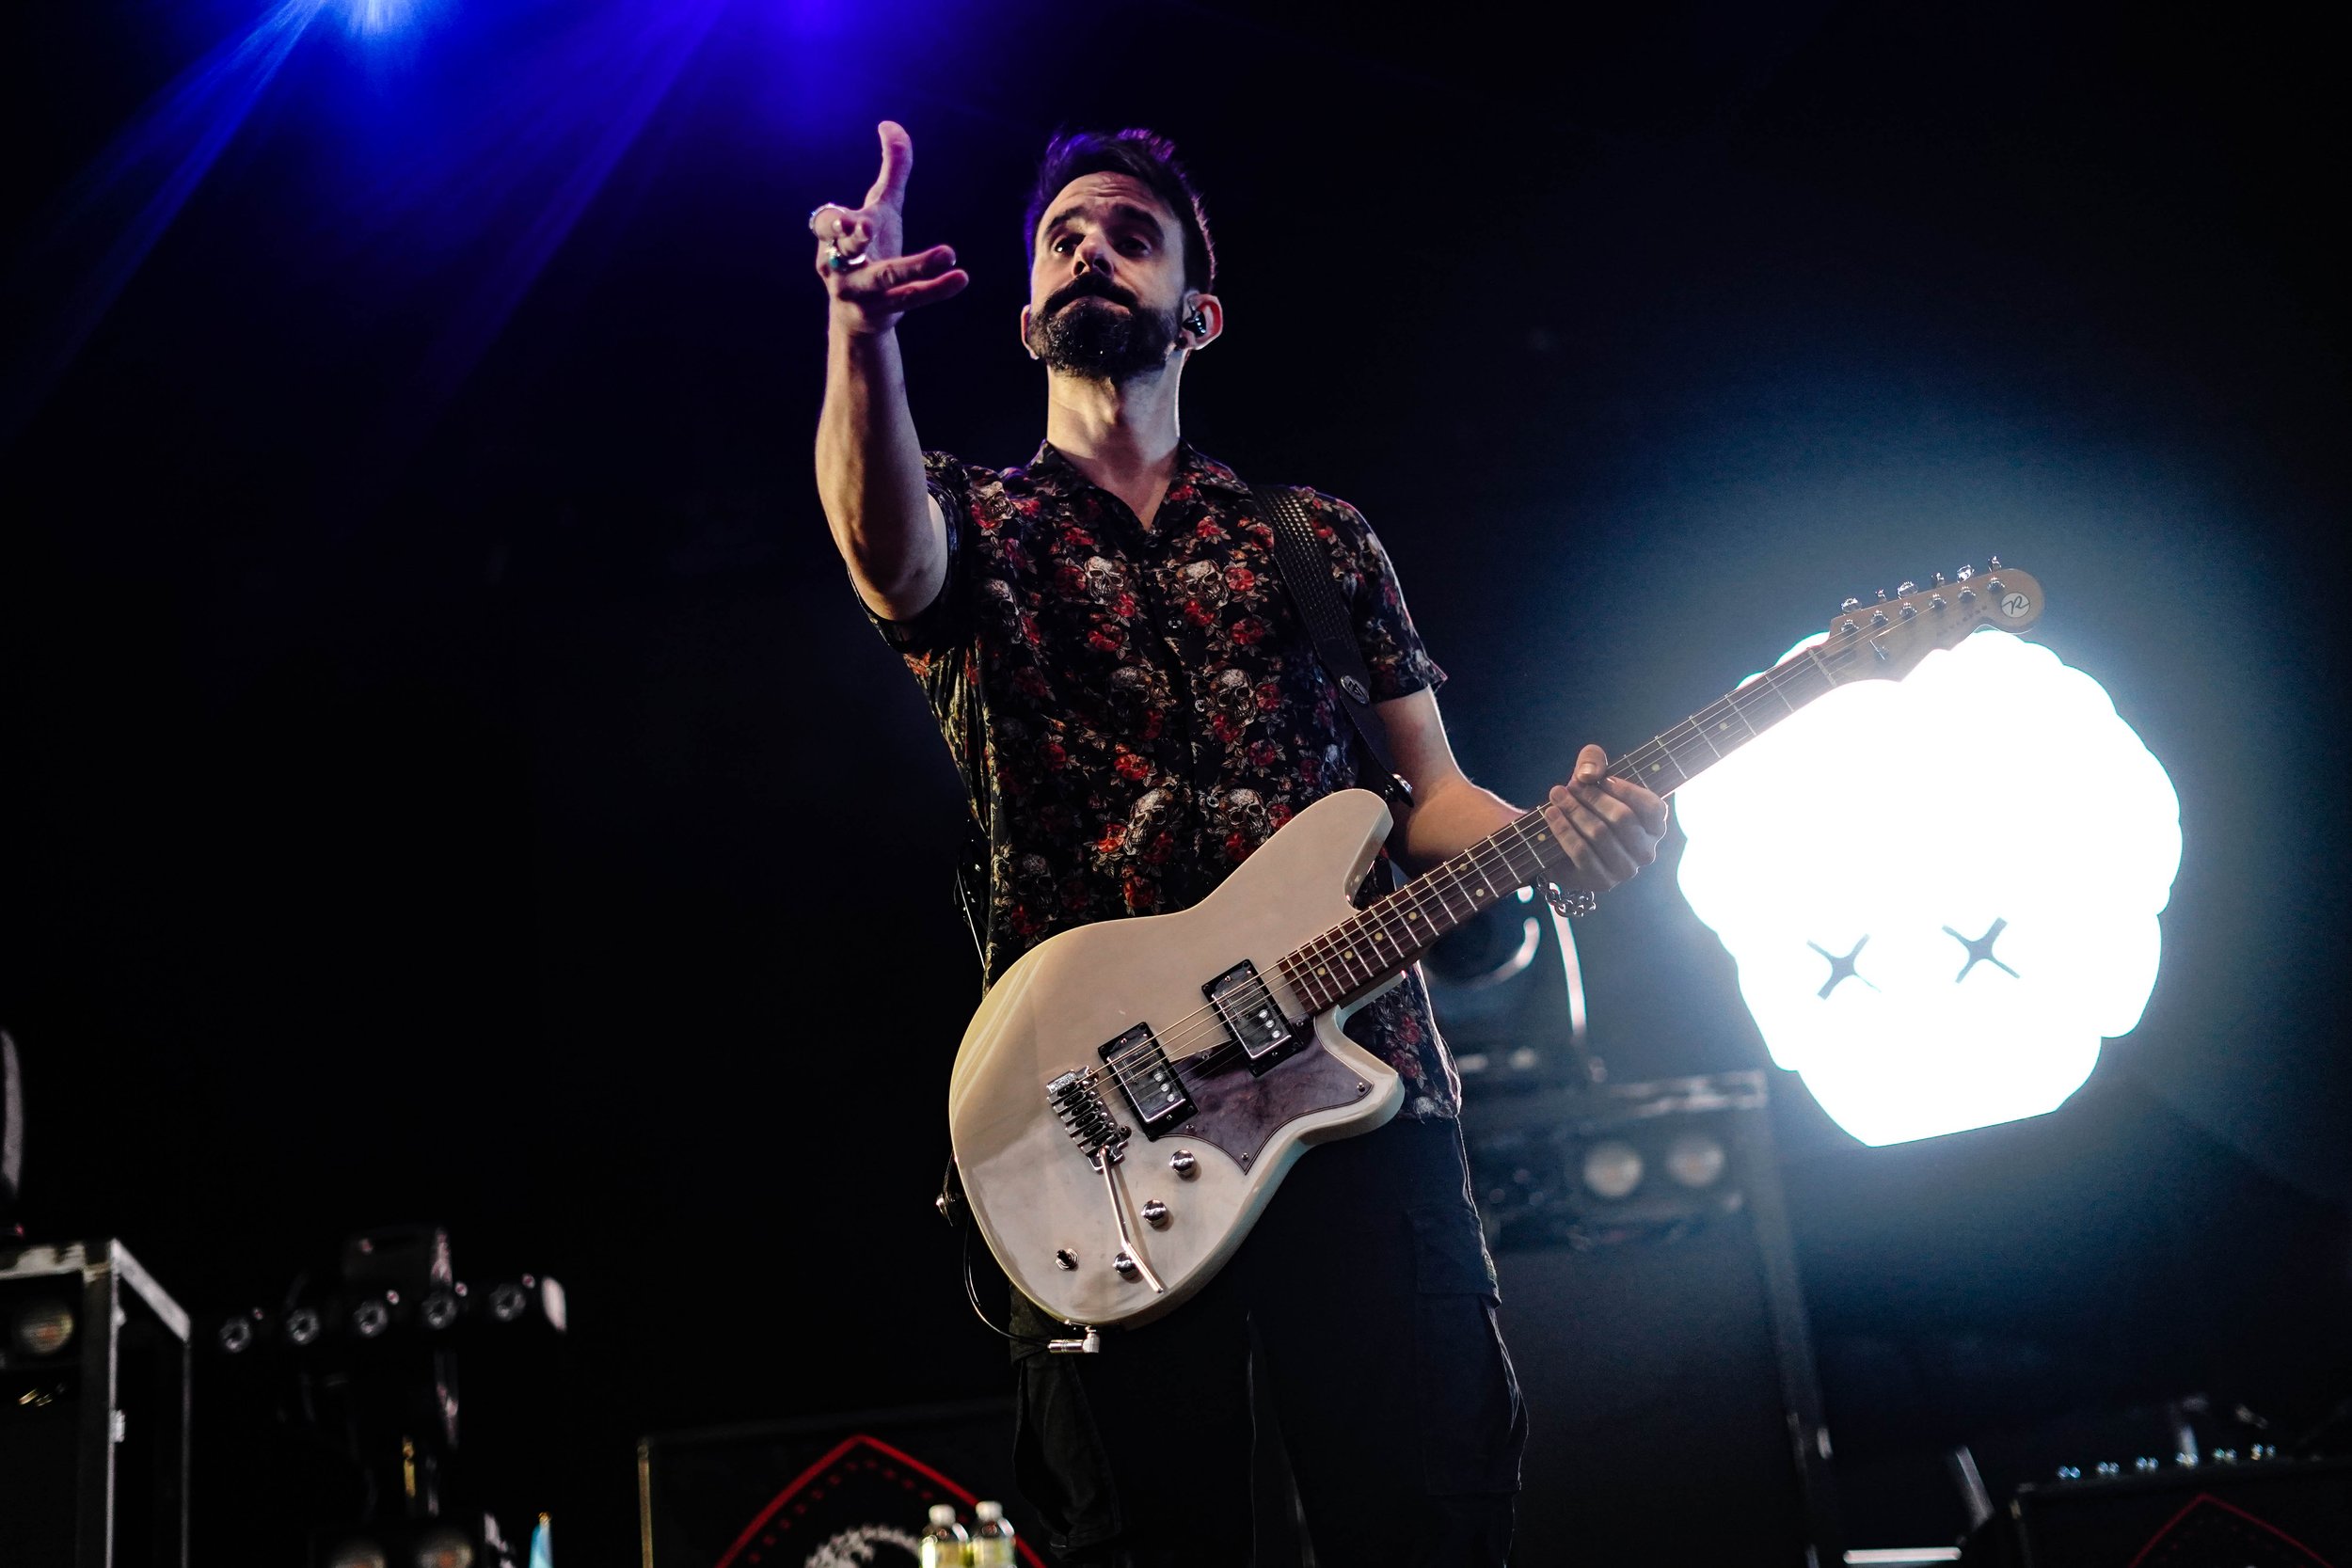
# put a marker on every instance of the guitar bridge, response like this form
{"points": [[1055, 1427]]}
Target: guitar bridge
{"points": [[1085, 1117], [1148, 1079], [1251, 1017]]}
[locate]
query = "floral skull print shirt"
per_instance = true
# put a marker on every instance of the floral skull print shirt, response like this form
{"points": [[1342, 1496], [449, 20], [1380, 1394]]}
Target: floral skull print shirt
{"points": [[1136, 709]]}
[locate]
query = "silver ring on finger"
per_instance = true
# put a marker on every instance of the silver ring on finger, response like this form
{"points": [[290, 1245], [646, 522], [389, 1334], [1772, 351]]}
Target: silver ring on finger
{"points": [[829, 231]]}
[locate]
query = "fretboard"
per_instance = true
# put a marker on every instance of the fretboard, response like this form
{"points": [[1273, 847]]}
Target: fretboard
{"points": [[1363, 952]]}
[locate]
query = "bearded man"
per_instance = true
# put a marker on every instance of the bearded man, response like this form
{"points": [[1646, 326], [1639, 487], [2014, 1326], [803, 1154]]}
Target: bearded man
{"points": [[1135, 706]]}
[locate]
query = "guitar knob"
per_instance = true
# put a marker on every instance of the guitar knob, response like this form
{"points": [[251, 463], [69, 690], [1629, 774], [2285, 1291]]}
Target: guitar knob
{"points": [[1185, 1164], [1155, 1214], [1125, 1266]]}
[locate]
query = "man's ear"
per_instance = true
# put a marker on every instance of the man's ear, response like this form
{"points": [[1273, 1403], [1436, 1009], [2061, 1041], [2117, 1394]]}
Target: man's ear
{"points": [[1024, 333], [1209, 311]]}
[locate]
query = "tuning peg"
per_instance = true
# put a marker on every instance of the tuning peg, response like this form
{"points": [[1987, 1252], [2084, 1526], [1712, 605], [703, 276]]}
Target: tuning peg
{"points": [[1881, 595], [1967, 572], [1849, 604], [1904, 587], [1995, 564], [1939, 580]]}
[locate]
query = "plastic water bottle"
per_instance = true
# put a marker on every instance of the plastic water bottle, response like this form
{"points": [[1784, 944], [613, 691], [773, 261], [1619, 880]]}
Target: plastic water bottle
{"points": [[991, 1538], [945, 1544]]}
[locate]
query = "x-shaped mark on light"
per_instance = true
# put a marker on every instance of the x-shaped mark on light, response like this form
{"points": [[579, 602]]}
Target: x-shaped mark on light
{"points": [[1981, 950], [1840, 969]]}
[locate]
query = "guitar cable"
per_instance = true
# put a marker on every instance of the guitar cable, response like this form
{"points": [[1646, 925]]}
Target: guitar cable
{"points": [[972, 1294]]}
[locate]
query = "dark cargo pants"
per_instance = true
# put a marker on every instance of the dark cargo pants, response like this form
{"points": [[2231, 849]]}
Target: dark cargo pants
{"points": [[1369, 1293]]}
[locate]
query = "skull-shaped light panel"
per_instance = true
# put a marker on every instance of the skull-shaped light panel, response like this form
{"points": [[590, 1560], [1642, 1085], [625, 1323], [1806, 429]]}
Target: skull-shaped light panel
{"points": [[1941, 892]]}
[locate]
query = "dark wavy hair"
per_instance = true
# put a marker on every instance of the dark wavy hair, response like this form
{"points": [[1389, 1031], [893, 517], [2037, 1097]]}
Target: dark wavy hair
{"points": [[1144, 156]]}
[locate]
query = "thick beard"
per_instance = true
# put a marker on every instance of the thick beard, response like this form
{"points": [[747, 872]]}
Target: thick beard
{"points": [[1098, 342]]}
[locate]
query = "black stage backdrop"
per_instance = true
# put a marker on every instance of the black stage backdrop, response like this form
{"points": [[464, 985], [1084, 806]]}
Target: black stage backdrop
{"points": [[448, 776]]}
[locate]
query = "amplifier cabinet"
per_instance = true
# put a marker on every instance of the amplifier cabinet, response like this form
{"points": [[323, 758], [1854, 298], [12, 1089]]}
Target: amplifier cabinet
{"points": [[2263, 1513], [1652, 1306], [93, 1411], [833, 1489]]}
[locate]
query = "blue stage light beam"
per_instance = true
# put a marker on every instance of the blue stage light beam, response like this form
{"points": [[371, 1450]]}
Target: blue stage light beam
{"points": [[583, 111], [379, 16], [129, 195]]}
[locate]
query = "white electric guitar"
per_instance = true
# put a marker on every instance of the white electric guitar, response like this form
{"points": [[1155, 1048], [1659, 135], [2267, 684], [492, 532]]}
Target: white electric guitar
{"points": [[1130, 1094]]}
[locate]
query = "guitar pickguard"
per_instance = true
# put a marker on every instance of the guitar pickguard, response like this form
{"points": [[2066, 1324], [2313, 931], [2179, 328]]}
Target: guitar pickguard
{"points": [[1239, 1112]]}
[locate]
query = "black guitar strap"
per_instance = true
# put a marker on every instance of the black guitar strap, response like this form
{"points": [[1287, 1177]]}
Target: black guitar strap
{"points": [[1306, 565]]}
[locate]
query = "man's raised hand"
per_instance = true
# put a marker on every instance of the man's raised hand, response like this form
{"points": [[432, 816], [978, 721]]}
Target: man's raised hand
{"points": [[859, 254]]}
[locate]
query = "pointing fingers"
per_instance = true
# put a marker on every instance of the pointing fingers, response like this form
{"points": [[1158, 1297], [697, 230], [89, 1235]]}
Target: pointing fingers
{"points": [[897, 160]]}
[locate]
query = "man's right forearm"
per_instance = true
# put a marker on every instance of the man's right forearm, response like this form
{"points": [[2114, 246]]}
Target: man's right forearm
{"points": [[870, 475]]}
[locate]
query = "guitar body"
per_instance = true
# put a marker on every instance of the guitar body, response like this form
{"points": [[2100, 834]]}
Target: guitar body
{"points": [[1131, 1094], [1036, 1194]]}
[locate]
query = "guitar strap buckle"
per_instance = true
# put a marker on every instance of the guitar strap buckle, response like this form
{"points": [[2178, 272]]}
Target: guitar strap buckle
{"points": [[1582, 901]]}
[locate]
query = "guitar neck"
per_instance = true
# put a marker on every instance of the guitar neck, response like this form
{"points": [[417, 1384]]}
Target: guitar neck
{"points": [[1364, 951]]}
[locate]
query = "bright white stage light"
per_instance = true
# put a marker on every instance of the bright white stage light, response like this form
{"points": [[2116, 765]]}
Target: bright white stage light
{"points": [[1941, 892], [379, 16]]}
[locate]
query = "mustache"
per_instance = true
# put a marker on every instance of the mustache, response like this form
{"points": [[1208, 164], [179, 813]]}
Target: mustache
{"points": [[1085, 284]]}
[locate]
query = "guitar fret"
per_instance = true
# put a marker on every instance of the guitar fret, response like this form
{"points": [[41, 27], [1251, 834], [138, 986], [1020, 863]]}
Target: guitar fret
{"points": [[1393, 930]]}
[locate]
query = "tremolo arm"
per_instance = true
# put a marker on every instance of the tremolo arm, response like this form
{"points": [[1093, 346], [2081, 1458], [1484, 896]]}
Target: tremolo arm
{"points": [[1088, 1119], [1130, 1259]]}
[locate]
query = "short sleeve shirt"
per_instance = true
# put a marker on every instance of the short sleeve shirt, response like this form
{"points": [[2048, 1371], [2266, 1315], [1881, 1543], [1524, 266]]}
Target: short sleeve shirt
{"points": [[1135, 710]]}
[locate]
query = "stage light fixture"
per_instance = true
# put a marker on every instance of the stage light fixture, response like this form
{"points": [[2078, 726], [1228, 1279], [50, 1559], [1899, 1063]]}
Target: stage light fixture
{"points": [[44, 1328], [302, 1327], [443, 1548], [1695, 1160], [1613, 1168], [1918, 933], [370, 1316], [437, 1310], [235, 1335], [507, 1303]]}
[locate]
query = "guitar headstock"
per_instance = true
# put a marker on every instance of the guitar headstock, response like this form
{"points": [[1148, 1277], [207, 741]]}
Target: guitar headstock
{"points": [[1904, 626]]}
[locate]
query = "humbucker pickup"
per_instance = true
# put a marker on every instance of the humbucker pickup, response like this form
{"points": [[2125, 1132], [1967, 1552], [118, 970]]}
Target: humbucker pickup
{"points": [[1149, 1079], [1251, 1016]]}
